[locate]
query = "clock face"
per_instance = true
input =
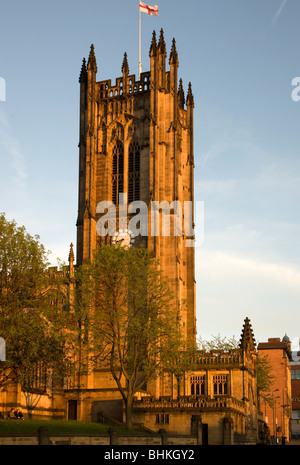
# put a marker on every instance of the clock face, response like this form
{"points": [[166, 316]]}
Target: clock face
{"points": [[124, 238]]}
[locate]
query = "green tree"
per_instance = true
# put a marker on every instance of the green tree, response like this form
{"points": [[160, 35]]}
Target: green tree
{"points": [[130, 317], [32, 321], [265, 378]]}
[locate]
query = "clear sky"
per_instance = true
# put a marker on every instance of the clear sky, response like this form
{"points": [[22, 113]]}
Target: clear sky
{"points": [[241, 58]]}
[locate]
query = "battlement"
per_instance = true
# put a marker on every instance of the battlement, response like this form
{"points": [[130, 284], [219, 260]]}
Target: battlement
{"points": [[158, 79], [219, 357], [64, 271], [214, 358], [124, 85]]}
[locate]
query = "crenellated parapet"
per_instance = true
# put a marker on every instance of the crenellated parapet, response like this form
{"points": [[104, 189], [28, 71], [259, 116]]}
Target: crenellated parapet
{"points": [[217, 358], [127, 84], [124, 85]]}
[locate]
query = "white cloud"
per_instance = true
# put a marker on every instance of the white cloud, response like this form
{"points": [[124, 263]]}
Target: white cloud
{"points": [[231, 287], [225, 264]]}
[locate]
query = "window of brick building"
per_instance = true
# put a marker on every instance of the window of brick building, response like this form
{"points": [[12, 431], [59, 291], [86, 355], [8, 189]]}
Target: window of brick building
{"points": [[295, 374]]}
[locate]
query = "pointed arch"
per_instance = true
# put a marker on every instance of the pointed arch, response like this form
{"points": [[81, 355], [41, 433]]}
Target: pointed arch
{"points": [[117, 171], [134, 161]]}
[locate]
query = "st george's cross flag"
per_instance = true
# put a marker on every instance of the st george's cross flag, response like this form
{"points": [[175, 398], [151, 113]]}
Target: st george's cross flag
{"points": [[150, 10]]}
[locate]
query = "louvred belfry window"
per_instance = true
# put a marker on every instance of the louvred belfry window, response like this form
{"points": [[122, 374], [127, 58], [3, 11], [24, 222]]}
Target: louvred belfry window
{"points": [[117, 172], [133, 172]]}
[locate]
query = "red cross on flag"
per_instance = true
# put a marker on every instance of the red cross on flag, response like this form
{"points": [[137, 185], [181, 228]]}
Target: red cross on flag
{"points": [[150, 10]]}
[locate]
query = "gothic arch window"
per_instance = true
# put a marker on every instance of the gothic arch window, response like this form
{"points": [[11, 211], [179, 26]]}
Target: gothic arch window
{"points": [[103, 136], [134, 172], [35, 379], [220, 384], [117, 172], [197, 385]]}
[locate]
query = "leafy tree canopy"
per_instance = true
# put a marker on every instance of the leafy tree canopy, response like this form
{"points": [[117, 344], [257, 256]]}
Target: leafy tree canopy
{"points": [[130, 316], [31, 301]]}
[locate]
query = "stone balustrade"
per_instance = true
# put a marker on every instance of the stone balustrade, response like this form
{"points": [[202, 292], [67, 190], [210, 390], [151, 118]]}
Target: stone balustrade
{"points": [[190, 402]]}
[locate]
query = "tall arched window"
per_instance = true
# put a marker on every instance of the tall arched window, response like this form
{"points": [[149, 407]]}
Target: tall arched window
{"points": [[220, 384], [197, 385], [133, 172], [117, 172]]}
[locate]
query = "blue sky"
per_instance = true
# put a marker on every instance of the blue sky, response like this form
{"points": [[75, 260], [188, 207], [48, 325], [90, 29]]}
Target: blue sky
{"points": [[241, 58]]}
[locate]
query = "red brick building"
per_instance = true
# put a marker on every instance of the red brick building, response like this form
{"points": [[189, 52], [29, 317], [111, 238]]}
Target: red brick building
{"points": [[295, 378], [278, 414]]}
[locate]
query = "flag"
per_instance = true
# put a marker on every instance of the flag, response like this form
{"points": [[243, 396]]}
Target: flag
{"points": [[150, 10]]}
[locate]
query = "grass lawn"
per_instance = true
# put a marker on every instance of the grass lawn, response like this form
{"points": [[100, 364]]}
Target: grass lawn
{"points": [[58, 426]]}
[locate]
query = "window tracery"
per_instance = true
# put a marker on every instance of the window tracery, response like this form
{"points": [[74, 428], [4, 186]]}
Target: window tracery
{"points": [[220, 384], [197, 385], [133, 172], [117, 172]]}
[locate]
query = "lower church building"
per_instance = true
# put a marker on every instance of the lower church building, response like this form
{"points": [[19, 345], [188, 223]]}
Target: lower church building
{"points": [[220, 395], [136, 143]]}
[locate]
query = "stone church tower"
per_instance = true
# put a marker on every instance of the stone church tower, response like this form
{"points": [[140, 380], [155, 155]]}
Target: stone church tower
{"points": [[136, 149], [136, 138]]}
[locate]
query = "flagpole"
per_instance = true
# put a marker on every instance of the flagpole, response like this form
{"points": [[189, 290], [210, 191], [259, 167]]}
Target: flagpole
{"points": [[153, 11], [140, 44]]}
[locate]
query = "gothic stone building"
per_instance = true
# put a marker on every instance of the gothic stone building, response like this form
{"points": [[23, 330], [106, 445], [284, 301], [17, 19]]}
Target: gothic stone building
{"points": [[136, 138]]}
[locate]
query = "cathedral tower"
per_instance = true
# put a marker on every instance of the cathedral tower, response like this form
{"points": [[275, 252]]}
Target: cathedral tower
{"points": [[136, 138]]}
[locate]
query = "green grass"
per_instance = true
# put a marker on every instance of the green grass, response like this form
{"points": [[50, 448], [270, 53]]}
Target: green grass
{"points": [[58, 426]]}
